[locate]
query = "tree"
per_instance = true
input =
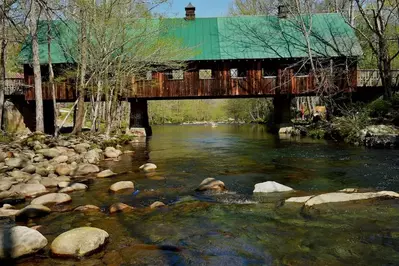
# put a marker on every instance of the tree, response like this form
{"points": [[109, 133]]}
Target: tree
{"points": [[34, 14], [379, 28]]}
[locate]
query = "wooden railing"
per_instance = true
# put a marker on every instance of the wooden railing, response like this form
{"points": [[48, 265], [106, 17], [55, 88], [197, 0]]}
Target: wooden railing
{"points": [[372, 78], [15, 86]]}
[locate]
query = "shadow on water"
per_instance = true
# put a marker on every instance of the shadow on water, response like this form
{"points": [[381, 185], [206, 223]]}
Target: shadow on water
{"points": [[6, 225]]}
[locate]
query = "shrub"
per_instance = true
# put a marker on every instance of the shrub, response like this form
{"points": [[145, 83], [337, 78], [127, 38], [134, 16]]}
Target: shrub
{"points": [[379, 108], [348, 127], [317, 133]]}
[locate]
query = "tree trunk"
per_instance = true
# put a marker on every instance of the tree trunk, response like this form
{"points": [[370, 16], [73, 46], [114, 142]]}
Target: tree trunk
{"points": [[3, 55], [77, 129], [51, 73], [97, 103], [33, 18]]}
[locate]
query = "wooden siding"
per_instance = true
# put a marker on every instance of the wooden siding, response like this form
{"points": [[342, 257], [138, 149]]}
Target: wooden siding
{"points": [[221, 85]]}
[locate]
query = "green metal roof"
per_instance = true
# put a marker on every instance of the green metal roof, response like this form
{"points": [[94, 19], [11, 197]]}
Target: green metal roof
{"points": [[227, 38]]}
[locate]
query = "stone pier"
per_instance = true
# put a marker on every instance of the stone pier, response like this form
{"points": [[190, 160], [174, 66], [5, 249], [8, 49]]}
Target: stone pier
{"points": [[139, 115], [282, 111]]}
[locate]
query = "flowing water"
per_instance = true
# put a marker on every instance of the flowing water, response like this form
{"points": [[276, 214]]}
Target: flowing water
{"points": [[237, 228]]}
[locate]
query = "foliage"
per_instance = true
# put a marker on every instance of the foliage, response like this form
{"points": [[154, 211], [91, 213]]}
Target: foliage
{"points": [[379, 108], [317, 133], [348, 126]]}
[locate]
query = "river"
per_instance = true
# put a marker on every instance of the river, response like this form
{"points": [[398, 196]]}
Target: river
{"points": [[237, 228]]}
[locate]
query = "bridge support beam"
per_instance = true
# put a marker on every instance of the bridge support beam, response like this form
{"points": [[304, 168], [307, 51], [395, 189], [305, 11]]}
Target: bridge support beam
{"points": [[139, 115], [282, 111], [28, 111]]}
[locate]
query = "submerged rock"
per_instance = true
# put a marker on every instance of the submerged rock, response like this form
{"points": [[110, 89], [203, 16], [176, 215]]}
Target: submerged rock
{"points": [[148, 167], [79, 241], [343, 197], [22, 241], [157, 204], [33, 211], [119, 207], [106, 173], [73, 187], [211, 184], [121, 185], [87, 208], [271, 186], [56, 198]]}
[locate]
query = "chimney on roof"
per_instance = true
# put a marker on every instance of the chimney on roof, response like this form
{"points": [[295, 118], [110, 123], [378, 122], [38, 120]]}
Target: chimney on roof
{"points": [[283, 10], [190, 12]]}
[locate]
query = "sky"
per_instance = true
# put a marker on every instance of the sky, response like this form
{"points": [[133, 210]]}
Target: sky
{"points": [[204, 8]]}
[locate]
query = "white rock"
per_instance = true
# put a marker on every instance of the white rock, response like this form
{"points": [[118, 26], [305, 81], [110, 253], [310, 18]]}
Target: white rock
{"points": [[28, 190], [121, 185], [24, 241], [79, 241], [211, 184], [271, 186], [105, 173], [344, 197], [299, 199], [73, 187], [56, 198], [148, 167]]}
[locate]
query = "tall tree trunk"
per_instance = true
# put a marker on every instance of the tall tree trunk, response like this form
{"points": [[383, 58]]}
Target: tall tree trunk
{"points": [[51, 73], [3, 55], [77, 129], [33, 19], [96, 106]]}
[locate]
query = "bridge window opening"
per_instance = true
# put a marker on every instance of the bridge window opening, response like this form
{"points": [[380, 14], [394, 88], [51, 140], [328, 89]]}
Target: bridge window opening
{"points": [[238, 73], [206, 74], [269, 73], [177, 74], [149, 75]]}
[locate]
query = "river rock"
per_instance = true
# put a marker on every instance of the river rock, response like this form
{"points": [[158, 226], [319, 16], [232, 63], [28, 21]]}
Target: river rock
{"points": [[380, 136], [63, 169], [79, 242], [343, 197], [148, 167], [28, 190], [289, 131], [81, 147], [61, 159], [157, 204], [5, 185], [63, 184], [30, 169], [20, 176], [121, 185], [87, 208], [119, 207], [43, 171], [24, 241], [49, 182], [49, 153], [32, 211], [211, 184], [85, 169], [73, 187], [92, 156], [6, 212], [111, 152], [16, 162], [56, 198], [299, 199], [106, 173], [271, 186]]}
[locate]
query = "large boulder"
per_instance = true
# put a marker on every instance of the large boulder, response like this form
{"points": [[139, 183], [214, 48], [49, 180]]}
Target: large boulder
{"points": [[56, 198], [32, 211], [86, 168], [344, 197], [63, 169], [28, 190], [16, 162], [92, 156], [111, 152], [148, 167], [19, 241], [79, 242], [105, 173], [121, 185], [211, 184], [49, 153], [380, 136], [271, 186]]}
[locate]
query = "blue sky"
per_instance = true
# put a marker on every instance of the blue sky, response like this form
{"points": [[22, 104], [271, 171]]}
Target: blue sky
{"points": [[204, 8]]}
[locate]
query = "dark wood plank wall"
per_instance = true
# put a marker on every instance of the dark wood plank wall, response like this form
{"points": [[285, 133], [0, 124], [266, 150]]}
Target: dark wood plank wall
{"points": [[221, 85]]}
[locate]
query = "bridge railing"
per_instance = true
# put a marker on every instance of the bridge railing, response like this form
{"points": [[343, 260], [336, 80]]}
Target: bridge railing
{"points": [[372, 78], [15, 86]]}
